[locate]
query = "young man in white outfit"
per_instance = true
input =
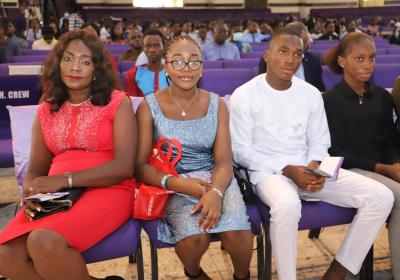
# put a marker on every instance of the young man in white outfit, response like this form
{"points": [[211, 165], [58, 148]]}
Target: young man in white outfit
{"points": [[278, 126]]}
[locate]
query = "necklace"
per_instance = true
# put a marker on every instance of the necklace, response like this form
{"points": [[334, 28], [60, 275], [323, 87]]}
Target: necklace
{"points": [[78, 104], [360, 98], [183, 114]]}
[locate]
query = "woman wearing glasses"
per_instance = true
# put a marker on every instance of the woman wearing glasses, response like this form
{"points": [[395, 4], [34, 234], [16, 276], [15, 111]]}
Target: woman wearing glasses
{"points": [[208, 200]]}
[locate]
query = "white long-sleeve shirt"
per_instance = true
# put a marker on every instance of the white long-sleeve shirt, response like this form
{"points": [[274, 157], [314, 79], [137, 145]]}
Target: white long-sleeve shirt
{"points": [[271, 129]]}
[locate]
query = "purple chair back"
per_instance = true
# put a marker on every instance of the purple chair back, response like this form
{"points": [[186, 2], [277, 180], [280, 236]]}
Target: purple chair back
{"points": [[393, 50], [330, 79], [34, 52], [124, 66], [388, 59], [213, 64], [254, 54], [224, 81], [385, 74], [248, 63], [29, 58]]}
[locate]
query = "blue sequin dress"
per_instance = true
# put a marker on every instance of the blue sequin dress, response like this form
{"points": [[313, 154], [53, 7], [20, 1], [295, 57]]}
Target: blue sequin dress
{"points": [[197, 139]]}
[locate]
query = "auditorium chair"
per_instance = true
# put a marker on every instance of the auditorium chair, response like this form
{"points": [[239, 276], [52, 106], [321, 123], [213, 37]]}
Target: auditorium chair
{"points": [[242, 63], [385, 74]]}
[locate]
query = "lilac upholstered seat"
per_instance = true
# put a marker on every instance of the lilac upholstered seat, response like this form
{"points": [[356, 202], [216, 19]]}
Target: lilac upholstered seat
{"points": [[6, 157], [393, 50], [29, 58], [330, 78], [253, 54], [388, 58], [385, 74], [124, 66], [212, 64], [248, 63], [224, 81], [125, 241], [34, 52]]}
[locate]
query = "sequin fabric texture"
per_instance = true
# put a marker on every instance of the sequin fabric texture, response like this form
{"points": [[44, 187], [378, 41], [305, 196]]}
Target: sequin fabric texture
{"points": [[197, 139], [82, 124]]}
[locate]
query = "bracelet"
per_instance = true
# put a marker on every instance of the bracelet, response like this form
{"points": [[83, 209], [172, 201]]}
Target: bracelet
{"points": [[68, 175], [165, 179], [218, 191]]}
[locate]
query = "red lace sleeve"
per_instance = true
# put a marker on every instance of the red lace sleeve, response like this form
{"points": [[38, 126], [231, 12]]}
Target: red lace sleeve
{"points": [[116, 98]]}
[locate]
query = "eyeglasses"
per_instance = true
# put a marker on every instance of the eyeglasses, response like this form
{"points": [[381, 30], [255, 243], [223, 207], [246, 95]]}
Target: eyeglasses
{"points": [[179, 65]]}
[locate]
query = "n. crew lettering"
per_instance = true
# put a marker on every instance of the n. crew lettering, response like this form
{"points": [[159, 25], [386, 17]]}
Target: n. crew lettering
{"points": [[18, 94]]}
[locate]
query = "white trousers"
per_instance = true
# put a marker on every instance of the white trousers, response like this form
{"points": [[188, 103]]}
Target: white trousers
{"points": [[372, 199]]}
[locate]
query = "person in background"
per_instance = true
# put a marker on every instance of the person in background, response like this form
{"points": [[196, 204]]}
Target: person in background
{"points": [[53, 24], [265, 32], [93, 146], [202, 34], [236, 38], [251, 34], [12, 37], [144, 79], [330, 33], [132, 54], [176, 29], [373, 28], [351, 27], [210, 201], [48, 40], [220, 48], [94, 29], [360, 119], [310, 69], [279, 128], [117, 34], [187, 29], [35, 32], [8, 49]]}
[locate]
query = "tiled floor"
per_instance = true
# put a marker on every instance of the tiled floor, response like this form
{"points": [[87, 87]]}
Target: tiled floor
{"points": [[314, 256]]}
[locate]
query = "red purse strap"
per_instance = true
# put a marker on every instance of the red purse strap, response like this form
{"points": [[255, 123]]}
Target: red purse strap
{"points": [[170, 144]]}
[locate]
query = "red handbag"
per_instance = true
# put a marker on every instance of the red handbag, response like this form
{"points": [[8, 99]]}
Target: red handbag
{"points": [[150, 200]]}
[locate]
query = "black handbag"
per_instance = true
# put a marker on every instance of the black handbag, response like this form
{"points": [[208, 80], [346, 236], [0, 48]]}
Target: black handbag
{"points": [[246, 187], [56, 205]]}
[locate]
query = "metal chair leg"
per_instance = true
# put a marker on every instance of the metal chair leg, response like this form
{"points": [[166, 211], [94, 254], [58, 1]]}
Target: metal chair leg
{"points": [[260, 256], [267, 253], [367, 269], [154, 261], [139, 262], [314, 233]]}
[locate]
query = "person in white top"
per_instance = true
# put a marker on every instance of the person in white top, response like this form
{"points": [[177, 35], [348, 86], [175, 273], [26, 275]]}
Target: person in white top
{"points": [[278, 127]]}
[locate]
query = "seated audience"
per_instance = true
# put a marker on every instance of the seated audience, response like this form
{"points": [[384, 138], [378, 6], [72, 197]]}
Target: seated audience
{"points": [[202, 34], [136, 46], [360, 119], [329, 32], [310, 69], [12, 37], [279, 127], [210, 201], [265, 31], [176, 29], [35, 32], [142, 80], [396, 100], [8, 49], [251, 35], [94, 146], [117, 34], [220, 48], [48, 40], [351, 27], [373, 28]]}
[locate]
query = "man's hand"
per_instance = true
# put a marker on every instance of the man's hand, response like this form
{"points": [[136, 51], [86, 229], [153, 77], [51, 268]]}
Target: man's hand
{"points": [[303, 179]]}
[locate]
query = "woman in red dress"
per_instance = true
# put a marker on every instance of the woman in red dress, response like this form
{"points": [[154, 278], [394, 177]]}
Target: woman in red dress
{"points": [[84, 135]]}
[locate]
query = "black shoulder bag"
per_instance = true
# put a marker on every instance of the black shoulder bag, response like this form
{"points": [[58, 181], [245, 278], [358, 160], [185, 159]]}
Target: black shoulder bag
{"points": [[246, 187]]}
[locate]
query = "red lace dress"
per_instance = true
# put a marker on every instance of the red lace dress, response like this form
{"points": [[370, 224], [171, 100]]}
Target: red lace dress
{"points": [[81, 137]]}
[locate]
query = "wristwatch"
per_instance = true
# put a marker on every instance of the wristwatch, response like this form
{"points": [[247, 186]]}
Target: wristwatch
{"points": [[68, 175]]}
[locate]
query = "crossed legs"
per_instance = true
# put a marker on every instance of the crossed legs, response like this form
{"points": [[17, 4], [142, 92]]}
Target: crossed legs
{"points": [[41, 254]]}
